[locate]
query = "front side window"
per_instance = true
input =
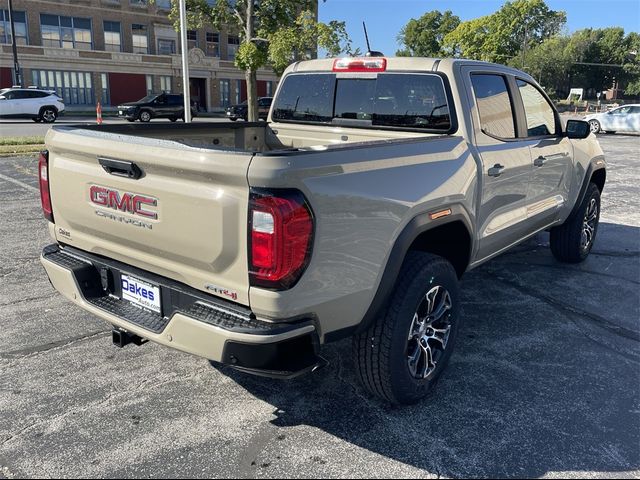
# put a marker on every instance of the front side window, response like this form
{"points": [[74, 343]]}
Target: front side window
{"points": [[112, 36], [20, 24], [541, 119], [140, 38], [494, 105], [391, 100], [66, 32]]}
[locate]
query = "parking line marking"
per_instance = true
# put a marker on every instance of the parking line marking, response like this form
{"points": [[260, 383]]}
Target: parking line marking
{"points": [[18, 182]]}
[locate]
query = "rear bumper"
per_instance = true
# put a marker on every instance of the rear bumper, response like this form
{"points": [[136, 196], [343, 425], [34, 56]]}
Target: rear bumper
{"points": [[191, 321]]}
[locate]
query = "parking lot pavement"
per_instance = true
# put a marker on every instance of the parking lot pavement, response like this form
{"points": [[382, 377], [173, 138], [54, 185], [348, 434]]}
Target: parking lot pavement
{"points": [[545, 380], [24, 128]]}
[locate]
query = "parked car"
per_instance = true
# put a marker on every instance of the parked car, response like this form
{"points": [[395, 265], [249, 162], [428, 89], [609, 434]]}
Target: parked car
{"points": [[156, 105], [234, 112], [622, 119], [353, 212], [39, 105]]}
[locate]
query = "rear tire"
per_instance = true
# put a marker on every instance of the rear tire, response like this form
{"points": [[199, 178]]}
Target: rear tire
{"points": [[401, 356], [48, 114], [572, 241]]}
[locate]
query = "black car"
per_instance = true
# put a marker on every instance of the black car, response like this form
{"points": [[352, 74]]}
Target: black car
{"points": [[234, 112], [156, 105]]}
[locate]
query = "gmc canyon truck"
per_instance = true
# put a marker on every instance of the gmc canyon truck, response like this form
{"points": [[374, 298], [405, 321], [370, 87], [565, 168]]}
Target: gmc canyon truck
{"points": [[353, 212]]}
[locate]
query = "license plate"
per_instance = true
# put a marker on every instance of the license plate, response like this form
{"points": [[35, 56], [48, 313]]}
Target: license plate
{"points": [[141, 293], [119, 112]]}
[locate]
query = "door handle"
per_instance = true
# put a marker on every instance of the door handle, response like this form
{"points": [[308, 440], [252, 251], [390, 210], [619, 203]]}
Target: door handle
{"points": [[496, 170], [538, 162], [120, 168]]}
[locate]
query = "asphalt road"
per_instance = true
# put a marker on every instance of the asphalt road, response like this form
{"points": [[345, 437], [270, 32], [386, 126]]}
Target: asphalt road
{"points": [[545, 379], [22, 128]]}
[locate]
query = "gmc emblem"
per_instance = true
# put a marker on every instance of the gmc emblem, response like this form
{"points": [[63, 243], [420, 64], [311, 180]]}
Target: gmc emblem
{"points": [[124, 202]]}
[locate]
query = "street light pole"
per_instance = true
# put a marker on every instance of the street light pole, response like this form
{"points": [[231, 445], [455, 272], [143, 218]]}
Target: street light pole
{"points": [[16, 65], [185, 62]]}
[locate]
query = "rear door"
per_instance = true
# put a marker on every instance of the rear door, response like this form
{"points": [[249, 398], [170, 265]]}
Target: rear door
{"points": [[185, 217], [551, 154], [506, 162]]}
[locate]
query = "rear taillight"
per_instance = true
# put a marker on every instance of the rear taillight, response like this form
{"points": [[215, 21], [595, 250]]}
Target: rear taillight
{"points": [[43, 175], [280, 237]]}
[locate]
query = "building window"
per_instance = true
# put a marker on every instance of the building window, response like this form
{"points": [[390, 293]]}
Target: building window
{"points": [[224, 92], [166, 47], [238, 91], [76, 88], [66, 32], [233, 43], [165, 83], [112, 36], [192, 39], [213, 44], [149, 84], [163, 4], [19, 22], [140, 38], [138, 3], [269, 89], [104, 79]]}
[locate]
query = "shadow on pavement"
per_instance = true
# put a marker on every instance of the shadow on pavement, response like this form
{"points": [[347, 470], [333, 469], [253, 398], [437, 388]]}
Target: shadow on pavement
{"points": [[545, 377]]}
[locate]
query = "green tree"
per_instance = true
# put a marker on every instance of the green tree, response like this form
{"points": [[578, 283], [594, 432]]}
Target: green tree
{"points": [[423, 37], [516, 27], [272, 32]]}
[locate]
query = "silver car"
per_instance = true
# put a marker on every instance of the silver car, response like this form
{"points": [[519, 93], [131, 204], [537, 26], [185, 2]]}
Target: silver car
{"points": [[621, 119]]}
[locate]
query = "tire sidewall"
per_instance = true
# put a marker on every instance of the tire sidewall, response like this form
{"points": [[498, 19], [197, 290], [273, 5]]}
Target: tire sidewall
{"points": [[406, 388], [592, 192], [142, 116]]}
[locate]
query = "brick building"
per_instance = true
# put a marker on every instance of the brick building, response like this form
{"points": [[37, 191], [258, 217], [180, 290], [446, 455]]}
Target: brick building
{"points": [[115, 51]]}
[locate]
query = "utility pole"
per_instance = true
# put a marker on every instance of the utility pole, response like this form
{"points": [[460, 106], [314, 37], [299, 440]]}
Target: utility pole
{"points": [[185, 62], [16, 65]]}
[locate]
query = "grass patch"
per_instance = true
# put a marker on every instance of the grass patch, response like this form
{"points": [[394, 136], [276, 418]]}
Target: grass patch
{"points": [[21, 141], [15, 149]]}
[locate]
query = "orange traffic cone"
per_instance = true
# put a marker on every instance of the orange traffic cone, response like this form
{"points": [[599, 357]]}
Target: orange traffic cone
{"points": [[99, 114]]}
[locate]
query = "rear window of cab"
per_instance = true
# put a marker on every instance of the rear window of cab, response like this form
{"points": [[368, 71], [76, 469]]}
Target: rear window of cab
{"points": [[393, 100]]}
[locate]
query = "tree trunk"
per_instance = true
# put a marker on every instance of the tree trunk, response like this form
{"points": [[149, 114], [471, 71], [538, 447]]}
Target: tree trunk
{"points": [[252, 95]]}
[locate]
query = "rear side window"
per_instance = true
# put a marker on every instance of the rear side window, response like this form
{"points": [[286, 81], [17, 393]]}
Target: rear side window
{"points": [[416, 101], [494, 105], [540, 117]]}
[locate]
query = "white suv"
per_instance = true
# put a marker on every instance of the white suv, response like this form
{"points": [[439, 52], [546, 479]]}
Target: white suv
{"points": [[39, 105]]}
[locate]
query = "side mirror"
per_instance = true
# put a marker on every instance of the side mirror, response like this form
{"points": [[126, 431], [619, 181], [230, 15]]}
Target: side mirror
{"points": [[578, 129]]}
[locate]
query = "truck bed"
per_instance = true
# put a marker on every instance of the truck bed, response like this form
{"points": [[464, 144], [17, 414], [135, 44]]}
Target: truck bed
{"points": [[245, 137]]}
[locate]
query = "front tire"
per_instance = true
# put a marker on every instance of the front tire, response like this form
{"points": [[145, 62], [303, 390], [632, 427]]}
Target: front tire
{"points": [[595, 126], [145, 116], [572, 241], [401, 356]]}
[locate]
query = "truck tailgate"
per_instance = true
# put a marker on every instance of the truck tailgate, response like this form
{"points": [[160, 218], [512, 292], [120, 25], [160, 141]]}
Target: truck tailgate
{"points": [[200, 198]]}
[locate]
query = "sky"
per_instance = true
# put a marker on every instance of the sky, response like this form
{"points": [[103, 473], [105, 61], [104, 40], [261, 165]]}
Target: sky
{"points": [[385, 18]]}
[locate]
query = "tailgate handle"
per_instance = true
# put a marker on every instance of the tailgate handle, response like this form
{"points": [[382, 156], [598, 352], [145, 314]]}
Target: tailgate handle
{"points": [[121, 168]]}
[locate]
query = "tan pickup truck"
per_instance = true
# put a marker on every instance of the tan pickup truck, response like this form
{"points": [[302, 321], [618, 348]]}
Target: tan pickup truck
{"points": [[352, 212]]}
